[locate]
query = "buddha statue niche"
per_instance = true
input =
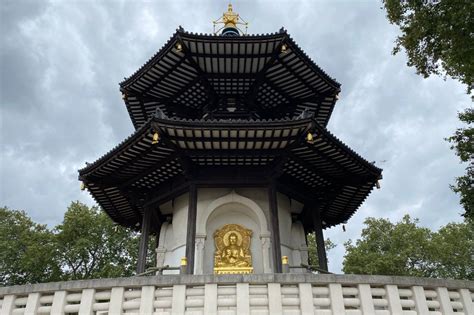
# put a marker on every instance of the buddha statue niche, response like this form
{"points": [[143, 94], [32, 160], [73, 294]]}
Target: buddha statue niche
{"points": [[232, 250]]}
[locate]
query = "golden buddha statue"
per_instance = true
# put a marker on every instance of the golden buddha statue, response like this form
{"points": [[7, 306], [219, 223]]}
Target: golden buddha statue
{"points": [[232, 250]]}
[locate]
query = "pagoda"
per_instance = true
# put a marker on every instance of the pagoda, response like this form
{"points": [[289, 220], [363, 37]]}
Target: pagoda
{"points": [[231, 164]]}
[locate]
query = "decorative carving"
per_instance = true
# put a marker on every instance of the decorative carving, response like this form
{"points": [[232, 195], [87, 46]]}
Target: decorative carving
{"points": [[232, 254]]}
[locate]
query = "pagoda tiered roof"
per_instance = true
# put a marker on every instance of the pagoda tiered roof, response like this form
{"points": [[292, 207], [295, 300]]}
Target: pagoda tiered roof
{"points": [[196, 76], [230, 111], [326, 173]]}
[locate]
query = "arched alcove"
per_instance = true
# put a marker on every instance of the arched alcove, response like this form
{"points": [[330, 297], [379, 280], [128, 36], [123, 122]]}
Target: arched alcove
{"points": [[237, 209]]}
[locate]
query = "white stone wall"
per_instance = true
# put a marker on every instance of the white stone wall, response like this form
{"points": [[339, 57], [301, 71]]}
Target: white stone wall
{"points": [[248, 207]]}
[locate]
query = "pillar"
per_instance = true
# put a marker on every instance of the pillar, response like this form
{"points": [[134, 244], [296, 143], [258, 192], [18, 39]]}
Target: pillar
{"points": [[318, 229], [275, 228], [161, 250], [191, 226], [143, 247], [266, 241], [200, 244]]}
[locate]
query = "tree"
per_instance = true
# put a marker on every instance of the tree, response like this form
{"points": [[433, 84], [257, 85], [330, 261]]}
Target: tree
{"points": [[27, 250], [437, 37], [453, 250], [86, 245], [406, 249], [90, 245], [463, 145]]}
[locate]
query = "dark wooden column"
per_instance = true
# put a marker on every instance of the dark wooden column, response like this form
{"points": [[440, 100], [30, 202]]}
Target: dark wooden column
{"points": [[318, 229], [191, 226], [275, 228], [145, 235]]}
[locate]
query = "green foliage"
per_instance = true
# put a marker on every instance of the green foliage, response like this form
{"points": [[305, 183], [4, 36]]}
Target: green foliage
{"points": [[405, 249], [436, 37], [312, 253], [463, 144], [86, 245], [91, 246], [27, 250], [453, 251], [438, 40]]}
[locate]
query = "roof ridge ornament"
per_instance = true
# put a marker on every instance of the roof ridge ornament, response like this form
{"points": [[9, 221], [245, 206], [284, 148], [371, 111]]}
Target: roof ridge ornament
{"points": [[230, 19]]}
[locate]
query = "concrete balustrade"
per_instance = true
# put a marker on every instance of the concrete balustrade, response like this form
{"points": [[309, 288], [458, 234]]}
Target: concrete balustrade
{"points": [[256, 294]]}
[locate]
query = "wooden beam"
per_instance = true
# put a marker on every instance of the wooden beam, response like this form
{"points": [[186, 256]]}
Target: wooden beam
{"points": [[159, 164], [348, 178], [191, 228], [167, 191], [143, 246], [253, 90], [234, 152], [213, 96], [275, 228]]}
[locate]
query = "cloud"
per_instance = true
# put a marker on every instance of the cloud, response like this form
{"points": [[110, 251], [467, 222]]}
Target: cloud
{"points": [[61, 62]]}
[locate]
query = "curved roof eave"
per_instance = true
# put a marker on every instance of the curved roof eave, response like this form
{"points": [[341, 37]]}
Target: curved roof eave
{"points": [[146, 128]]}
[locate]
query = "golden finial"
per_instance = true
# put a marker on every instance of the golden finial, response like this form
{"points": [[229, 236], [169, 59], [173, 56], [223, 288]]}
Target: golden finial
{"points": [[230, 19]]}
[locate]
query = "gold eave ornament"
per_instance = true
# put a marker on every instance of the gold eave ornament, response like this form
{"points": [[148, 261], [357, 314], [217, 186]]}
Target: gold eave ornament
{"points": [[156, 138], [310, 137]]}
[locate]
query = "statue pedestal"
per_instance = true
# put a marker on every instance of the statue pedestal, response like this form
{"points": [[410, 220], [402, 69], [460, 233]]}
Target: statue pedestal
{"points": [[232, 270]]}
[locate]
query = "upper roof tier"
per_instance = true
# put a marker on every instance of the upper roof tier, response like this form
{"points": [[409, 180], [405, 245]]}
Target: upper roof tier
{"points": [[210, 77]]}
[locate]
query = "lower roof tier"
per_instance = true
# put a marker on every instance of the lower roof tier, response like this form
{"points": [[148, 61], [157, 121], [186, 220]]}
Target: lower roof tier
{"points": [[324, 173]]}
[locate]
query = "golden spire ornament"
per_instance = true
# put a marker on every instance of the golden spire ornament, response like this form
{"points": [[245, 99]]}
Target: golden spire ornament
{"points": [[231, 20]]}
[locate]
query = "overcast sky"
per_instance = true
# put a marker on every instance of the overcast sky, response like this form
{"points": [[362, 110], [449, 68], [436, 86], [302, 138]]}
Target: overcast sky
{"points": [[61, 62]]}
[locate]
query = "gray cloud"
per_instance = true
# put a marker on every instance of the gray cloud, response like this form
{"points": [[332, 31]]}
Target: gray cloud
{"points": [[61, 63]]}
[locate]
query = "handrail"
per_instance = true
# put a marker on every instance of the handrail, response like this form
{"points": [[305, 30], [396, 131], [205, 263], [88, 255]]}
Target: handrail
{"points": [[313, 268], [159, 270]]}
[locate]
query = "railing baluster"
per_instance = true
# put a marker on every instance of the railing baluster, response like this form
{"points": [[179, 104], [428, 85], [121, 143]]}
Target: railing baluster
{"points": [[443, 298], [59, 300], [467, 301], [420, 300], [243, 303], [210, 299], [147, 299], [274, 298], [337, 299], [116, 301], [87, 301], [32, 304], [306, 298], [366, 300], [179, 298], [8, 304], [393, 297]]}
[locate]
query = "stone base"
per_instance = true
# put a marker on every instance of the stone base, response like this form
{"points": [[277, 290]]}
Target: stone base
{"points": [[232, 270]]}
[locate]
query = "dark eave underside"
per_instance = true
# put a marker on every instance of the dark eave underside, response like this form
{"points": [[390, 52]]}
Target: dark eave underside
{"points": [[209, 70], [333, 177]]}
